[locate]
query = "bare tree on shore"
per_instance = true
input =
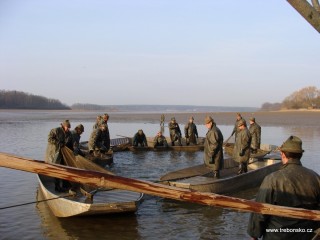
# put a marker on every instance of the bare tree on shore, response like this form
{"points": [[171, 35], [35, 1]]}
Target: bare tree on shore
{"points": [[307, 98]]}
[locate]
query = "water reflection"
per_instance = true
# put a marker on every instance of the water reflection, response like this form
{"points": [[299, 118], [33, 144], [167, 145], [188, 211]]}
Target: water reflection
{"points": [[90, 227]]}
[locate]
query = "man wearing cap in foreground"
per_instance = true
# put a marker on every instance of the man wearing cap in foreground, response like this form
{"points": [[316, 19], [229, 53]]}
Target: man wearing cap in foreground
{"points": [[291, 186], [58, 138], [241, 150], [213, 152], [255, 131]]}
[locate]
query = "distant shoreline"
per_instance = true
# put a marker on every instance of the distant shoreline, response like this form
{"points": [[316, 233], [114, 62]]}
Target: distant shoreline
{"points": [[273, 118]]}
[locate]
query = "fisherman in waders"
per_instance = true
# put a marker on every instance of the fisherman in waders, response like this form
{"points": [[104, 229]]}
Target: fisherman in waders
{"points": [[213, 152]]}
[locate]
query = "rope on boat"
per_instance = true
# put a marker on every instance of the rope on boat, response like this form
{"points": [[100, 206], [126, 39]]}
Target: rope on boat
{"points": [[70, 194]]}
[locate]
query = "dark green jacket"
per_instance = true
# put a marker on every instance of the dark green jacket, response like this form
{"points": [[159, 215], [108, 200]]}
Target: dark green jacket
{"points": [[99, 139], [175, 132], [292, 186], [57, 138], [255, 131], [235, 128], [191, 132], [160, 141], [213, 152], [140, 139], [75, 144], [241, 151]]}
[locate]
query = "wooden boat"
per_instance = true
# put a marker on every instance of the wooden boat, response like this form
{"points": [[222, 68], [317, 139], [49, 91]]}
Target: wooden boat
{"points": [[104, 201], [120, 144], [200, 178], [184, 147], [93, 178], [116, 144], [104, 159], [228, 148], [84, 199]]}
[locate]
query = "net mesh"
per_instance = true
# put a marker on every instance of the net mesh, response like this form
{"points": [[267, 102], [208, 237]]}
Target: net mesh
{"points": [[80, 162]]}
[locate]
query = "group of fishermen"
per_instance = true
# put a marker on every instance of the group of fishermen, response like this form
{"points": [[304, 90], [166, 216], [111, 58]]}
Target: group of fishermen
{"points": [[190, 132], [247, 141], [293, 185], [57, 139], [62, 136]]}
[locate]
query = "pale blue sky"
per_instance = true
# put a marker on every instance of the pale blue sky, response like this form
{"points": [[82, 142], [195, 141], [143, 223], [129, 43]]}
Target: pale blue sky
{"points": [[208, 52]]}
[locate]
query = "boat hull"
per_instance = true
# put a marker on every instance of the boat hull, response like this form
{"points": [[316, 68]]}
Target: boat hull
{"points": [[233, 183], [104, 202], [186, 148], [229, 180]]}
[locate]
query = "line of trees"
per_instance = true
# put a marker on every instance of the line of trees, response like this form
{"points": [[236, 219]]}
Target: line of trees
{"points": [[305, 98], [22, 100]]}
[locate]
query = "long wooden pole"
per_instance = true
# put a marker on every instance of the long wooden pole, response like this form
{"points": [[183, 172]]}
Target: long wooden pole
{"points": [[99, 179], [308, 12]]}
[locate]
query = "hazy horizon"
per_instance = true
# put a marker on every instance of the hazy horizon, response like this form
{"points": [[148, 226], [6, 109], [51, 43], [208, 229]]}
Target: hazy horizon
{"points": [[207, 53]]}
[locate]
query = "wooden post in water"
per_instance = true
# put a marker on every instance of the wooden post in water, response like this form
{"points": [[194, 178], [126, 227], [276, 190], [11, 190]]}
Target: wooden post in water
{"points": [[99, 179]]}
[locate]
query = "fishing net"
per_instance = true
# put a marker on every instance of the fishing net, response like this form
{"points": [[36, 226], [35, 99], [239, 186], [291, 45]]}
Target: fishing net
{"points": [[81, 162]]}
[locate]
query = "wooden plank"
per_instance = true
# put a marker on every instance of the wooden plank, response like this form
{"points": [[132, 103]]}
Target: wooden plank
{"points": [[105, 180], [308, 12]]}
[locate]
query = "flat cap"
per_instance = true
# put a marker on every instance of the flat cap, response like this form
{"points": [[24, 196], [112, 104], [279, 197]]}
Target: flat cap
{"points": [[293, 144], [208, 119]]}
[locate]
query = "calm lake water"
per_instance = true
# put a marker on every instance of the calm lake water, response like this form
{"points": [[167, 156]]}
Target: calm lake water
{"points": [[25, 134]]}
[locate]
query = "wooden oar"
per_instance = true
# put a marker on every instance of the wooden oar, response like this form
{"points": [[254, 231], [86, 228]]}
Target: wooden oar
{"points": [[105, 180]]}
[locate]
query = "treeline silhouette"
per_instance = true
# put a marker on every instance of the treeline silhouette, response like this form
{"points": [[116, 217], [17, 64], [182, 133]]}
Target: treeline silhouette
{"points": [[158, 108], [22, 100], [305, 98]]}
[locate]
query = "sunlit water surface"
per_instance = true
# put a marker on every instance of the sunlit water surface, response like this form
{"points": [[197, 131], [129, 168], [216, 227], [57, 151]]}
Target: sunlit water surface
{"points": [[25, 134]]}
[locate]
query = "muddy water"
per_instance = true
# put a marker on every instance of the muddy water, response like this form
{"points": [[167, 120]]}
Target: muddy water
{"points": [[25, 134]]}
